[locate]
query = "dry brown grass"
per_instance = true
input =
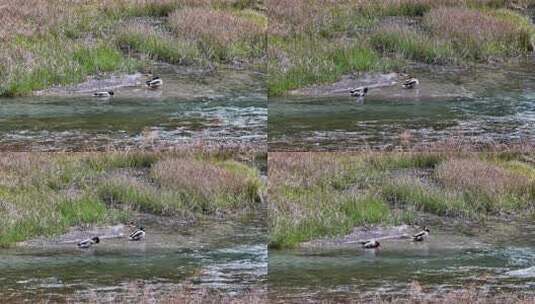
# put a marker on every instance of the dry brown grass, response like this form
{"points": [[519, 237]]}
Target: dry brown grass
{"points": [[295, 16], [477, 29], [28, 17], [221, 27], [203, 178], [480, 176], [304, 169]]}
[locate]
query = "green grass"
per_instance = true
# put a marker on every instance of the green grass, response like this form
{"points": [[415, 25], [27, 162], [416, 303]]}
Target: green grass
{"points": [[100, 58], [425, 198], [412, 46], [158, 46], [314, 195], [82, 210], [45, 194]]}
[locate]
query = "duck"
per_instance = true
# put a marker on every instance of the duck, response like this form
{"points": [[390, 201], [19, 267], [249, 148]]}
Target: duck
{"points": [[370, 244], [420, 236], [154, 83], [410, 83], [137, 235], [359, 92], [103, 94], [89, 242]]}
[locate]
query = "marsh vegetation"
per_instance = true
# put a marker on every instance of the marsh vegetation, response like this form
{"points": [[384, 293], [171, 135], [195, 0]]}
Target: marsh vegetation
{"points": [[311, 42], [46, 43], [45, 194], [313, 195]]}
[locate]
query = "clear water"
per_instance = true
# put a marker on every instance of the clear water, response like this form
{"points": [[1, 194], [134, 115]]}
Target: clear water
{"points": [[495, 261], [226, 255], [226, 107], [481, 105]]}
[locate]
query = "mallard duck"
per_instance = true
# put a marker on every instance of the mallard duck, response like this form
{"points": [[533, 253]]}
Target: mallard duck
{"points": [[370, 244], [359, 92], [410, 83], [420, 236], [137, 235], [154, 83], [89, 242], [103, 94]]}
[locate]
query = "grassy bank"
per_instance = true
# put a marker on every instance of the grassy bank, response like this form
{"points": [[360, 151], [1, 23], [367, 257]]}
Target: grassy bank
{"points": [[311, 42], [314, 195], [46, 43], [44, 194]]}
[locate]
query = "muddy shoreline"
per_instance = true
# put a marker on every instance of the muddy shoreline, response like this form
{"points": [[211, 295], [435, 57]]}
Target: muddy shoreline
{"points": [[179, 82], [445, 82]]}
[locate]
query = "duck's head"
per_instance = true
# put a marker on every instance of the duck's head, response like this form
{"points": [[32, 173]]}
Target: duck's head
{"points": [[110, 92], [378, 244], [141, 228], [427, 229], [96, 239], [365, 90]]}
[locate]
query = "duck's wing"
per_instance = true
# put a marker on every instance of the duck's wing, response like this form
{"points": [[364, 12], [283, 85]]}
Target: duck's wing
{"points": [[84, 243], [419, 234], [136, 234]]}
